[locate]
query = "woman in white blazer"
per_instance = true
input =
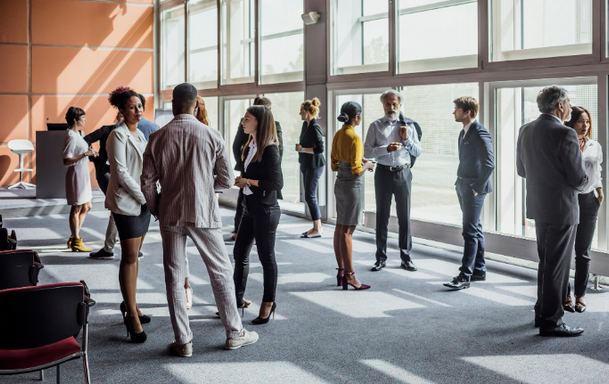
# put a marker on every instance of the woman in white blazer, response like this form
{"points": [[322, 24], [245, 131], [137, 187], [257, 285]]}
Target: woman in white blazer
{"points": [[124, 197]]}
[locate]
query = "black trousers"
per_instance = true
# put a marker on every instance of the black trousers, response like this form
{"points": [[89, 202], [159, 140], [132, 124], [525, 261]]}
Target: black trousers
{"points": [[103, 178], [389, 183], [473, 238], [311, 181], [588, 214], [259, 223], [554, 246], [239, 210]]}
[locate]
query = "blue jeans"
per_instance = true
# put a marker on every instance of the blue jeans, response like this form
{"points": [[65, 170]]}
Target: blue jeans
{"points": [[311, 177]]}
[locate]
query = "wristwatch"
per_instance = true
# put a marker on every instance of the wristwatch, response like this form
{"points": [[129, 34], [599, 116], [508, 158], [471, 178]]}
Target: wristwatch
{"points": [[247, 182], [302, 150]]}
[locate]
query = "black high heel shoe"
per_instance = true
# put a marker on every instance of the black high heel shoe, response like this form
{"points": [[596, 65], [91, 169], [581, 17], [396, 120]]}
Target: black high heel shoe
{"points": [[346, 283], [261, 320], [135, 337], [144, 319], [339, 276]]}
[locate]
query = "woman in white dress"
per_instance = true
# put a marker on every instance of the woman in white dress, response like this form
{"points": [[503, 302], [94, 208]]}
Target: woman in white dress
{"points": [[78, 182]]}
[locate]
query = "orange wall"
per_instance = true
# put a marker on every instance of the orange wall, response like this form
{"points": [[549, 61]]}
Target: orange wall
{"points": [[62, 63]]}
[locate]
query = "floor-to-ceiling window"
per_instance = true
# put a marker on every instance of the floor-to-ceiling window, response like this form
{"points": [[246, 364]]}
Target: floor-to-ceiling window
{"points": [[500, 52]]}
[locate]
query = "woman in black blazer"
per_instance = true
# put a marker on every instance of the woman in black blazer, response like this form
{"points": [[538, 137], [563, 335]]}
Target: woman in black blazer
{"points": [[262, 180], [311, 159]]}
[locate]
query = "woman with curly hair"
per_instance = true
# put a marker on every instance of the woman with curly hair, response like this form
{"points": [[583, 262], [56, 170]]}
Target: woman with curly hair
{"points": [[124, 197]]}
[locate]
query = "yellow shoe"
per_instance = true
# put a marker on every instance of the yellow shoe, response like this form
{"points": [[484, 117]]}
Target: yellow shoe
{"points": [[70, 241], [79, 246]]}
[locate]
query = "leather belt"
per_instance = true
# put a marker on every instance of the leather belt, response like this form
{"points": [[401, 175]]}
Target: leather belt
{"points": [[395, 168]]}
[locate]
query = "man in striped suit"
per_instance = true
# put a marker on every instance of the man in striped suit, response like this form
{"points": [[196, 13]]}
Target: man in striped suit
{"points": [[190, 161]]}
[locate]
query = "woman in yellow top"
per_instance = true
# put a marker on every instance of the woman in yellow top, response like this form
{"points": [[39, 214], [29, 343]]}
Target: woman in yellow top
{"points": [[348, 160]]}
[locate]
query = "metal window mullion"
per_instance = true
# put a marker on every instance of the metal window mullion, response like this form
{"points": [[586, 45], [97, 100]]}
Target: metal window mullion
{"points": [[256, 42], [483, 32], [598, 32], [186, 54], [392, 26]]}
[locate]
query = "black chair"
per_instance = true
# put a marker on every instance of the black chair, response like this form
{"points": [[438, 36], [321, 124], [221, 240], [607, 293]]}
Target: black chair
{"points": [[7, 242], [19, 268], [38, 326]]}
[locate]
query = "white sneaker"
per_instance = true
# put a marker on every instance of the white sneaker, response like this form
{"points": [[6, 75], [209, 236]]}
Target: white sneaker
{"points": [[246, 339], [184, 350], [188, 298]]}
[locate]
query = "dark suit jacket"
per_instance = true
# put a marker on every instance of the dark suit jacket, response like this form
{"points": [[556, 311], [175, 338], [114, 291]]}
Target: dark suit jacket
{"points": [[476, 158], [269, 175], [548, 156], [100, 135], [311, 137], [241, 139]]}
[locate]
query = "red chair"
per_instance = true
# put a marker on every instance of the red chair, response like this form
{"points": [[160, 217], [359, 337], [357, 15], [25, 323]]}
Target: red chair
{"points": [[19, 268], [37, 328]]}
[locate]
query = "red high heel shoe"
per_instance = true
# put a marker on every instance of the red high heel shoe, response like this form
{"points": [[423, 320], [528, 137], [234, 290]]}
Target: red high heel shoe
{"points": [[346, 284], [339, 277]]}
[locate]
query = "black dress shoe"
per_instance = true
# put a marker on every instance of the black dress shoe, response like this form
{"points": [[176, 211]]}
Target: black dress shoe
{"points": [[408, 265], [378, 266], [458, 282], [478, 277], [102, 255], [562, 330]]}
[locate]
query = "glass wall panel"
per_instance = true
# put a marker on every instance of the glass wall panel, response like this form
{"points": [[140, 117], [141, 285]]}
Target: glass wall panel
{"points": [[515, 107], [286, 109], [540, 28], [282, 41], [423, 41], [433, 196], [360, 36], [172, 47], [238, 42], [203, 44]]}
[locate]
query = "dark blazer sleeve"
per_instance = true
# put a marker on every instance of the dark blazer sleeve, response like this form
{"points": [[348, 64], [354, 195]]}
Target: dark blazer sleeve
{"points": [[238, 143], [319, 140], [572, 161], [520, 169], [484, 150], [272, 163], [95, 135], [280, 136]]}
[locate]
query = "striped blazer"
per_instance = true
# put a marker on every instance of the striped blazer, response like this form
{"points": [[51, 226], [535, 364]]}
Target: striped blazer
{"points": [[190, 161]]}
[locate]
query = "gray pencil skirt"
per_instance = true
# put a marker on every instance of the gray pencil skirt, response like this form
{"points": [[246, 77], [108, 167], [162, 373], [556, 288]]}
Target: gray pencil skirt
{"points": [[349, 192]]}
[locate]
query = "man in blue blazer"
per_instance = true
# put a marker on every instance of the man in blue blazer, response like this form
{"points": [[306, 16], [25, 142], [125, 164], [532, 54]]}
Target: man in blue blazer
{"points": [[476, 163], [549, 157], [146, 126]]}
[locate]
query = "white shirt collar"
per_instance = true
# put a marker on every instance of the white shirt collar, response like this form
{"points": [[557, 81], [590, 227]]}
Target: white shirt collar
{"points": [[466, 128]]}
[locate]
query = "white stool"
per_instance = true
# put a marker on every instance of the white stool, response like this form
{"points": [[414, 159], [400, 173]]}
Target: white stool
{"points": [[21, 147]]}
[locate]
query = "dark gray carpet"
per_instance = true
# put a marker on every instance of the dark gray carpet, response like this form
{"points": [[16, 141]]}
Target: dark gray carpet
{"points": [[406, 329]]}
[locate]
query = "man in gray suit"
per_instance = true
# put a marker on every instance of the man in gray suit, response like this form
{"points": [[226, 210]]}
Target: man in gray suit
{"points": [[548, 156], [190, 162]]}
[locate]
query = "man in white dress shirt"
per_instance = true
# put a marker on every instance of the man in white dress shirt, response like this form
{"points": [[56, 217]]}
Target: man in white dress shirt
{"points": [[190, 161], [392, 141]]}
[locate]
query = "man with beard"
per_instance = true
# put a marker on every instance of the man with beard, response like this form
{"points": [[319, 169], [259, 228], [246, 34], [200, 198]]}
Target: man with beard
{"points": [[392, 142]]}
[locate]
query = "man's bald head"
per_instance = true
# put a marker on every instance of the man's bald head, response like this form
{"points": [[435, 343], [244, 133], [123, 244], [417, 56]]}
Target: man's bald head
{"points": [[184, 99]]}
